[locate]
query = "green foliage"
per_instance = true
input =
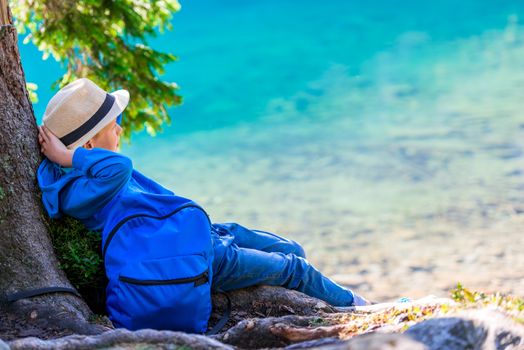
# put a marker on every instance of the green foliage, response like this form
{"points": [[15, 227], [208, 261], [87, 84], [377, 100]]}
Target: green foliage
{"points": [[31, 89], [100, 319], [106, 41], [78, 251], [317, 322], [464, 295], [511, 305]]}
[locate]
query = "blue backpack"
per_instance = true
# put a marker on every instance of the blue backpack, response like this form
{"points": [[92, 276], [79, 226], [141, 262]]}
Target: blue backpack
{"points": [[159, 270]]}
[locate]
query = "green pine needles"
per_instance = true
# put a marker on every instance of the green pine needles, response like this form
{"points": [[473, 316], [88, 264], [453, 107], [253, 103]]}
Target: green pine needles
{"points": [[106, 41]]}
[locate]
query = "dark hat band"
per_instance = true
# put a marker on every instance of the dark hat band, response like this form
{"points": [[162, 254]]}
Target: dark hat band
{"points": [[83, 129]]}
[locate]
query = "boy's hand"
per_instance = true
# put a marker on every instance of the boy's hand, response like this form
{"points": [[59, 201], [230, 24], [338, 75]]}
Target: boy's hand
{"points": [[53, 148]]}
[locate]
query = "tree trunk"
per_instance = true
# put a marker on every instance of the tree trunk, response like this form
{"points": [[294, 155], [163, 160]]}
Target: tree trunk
{"points": [[27, 260]]}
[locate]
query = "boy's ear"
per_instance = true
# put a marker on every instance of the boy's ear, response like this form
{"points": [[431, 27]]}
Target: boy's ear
{"points": [[88, 145]]}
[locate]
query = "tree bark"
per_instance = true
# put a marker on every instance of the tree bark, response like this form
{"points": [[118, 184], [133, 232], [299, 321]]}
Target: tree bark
{"points": [[27, 260]]}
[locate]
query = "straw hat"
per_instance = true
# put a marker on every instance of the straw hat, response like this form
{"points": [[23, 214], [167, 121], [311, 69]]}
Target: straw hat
{"points": [[81, 109]]}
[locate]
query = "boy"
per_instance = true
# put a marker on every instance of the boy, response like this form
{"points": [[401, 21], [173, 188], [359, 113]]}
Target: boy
{"points": [[83, 173]]}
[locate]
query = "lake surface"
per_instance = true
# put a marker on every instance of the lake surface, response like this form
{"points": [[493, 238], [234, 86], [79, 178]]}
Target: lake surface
{"points": [[386, 138]]}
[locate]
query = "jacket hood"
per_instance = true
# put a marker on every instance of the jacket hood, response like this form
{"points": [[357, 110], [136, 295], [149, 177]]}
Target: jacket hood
{"points": [[52, 179]]}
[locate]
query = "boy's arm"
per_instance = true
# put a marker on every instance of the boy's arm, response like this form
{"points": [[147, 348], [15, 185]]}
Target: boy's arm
{"points": [[104, 173], [101, 174], [53, 148]]}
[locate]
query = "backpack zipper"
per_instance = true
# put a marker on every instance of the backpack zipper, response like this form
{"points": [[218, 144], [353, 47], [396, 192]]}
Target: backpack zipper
{"points": [[124, 220], [199, 280]]}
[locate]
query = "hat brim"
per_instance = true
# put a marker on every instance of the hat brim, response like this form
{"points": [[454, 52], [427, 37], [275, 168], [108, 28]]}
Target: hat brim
{"points": [[121, 99], [120, 104]]}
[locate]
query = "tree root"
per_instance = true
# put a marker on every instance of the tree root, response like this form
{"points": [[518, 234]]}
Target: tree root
{"points": [[326, 325], [272, 332], [121, 338], [266, 301], [293, 334], [47, 317]]}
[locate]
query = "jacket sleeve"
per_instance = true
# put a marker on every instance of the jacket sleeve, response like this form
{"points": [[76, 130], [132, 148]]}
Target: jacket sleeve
{"points": [[103, 174]]}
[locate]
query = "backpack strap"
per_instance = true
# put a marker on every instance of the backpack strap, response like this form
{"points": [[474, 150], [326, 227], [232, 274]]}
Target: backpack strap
{"points": [[40, 291], [223, 320]]}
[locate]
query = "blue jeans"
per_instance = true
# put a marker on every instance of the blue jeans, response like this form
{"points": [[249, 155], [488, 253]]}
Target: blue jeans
{"points": [[246, 257]]}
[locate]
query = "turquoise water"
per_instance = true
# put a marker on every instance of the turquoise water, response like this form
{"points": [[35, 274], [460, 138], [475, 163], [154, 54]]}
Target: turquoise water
{"points": [[392, 132]]}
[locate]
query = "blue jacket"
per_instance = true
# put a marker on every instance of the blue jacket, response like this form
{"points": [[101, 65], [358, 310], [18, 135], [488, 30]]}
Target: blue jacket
{"points": [[96, 177], [88, 191]]}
